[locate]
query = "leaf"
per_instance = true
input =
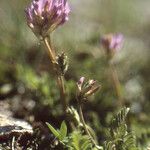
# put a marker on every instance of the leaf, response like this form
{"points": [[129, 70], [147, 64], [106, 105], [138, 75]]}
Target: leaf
{"points": [[80, 142], [130, 141], [119, 118], [76, 136], [109, 145], [53, 130], [120, 138], [63, 131], [86, 145], [121, 131]]}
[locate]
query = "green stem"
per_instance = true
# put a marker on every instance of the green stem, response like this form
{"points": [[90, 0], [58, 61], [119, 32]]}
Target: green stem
{"points": [[116, 83], [60, 82], [60, 78], [84, 124]]}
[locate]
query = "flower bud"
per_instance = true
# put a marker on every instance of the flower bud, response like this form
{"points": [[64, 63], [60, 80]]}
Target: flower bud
{"points": [[44, 16], [86, 89], [80, 83]]}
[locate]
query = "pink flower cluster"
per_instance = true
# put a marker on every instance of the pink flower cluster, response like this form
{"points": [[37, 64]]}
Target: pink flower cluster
{"points": [[44, 16], [112, 42]]}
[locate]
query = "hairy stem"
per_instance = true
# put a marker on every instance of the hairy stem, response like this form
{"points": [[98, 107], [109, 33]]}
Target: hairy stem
{"points": [[60, 78]]}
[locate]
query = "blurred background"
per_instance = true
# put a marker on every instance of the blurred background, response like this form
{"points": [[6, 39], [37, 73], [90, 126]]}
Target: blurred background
{"points": [[27, 85]]}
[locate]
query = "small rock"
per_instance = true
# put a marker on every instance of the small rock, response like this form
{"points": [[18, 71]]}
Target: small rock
{"points": [[13, 127]]}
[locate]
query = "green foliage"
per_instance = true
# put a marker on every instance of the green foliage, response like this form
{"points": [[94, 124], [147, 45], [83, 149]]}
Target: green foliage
{"points": [[118, 126], [130, 141], [34, 82], [142, 135], [61, 133], [55, 132], [74, 141], [119, 118], [120, 138], [79, 141]]}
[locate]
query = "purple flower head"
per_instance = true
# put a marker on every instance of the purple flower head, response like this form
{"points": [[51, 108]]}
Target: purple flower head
{"points": [[116, 42], [44, 16], [112, 42]]}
